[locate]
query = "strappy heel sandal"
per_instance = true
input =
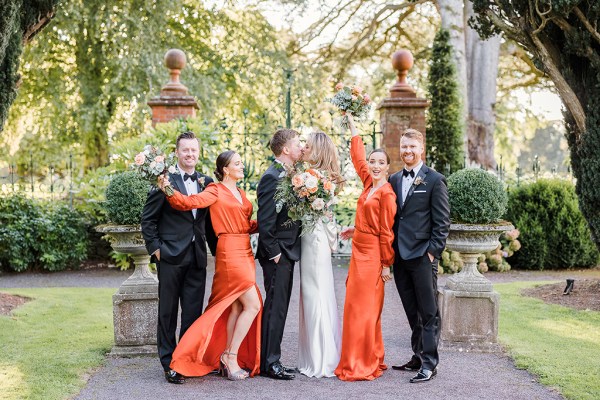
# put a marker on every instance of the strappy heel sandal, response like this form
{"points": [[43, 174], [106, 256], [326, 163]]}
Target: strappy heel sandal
{"points": [[235, 376], [223, 370]]}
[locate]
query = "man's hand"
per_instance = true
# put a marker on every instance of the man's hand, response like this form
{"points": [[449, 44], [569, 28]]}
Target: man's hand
{"points": [[276, 259], [431, 258], [157, 254]]}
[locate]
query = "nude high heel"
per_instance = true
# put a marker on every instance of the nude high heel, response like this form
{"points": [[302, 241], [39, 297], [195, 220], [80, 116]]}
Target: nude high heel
{"points": [[236, 376]]}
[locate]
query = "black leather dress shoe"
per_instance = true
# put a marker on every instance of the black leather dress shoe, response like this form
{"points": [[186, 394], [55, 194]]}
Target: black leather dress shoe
{"points": [[174, 377], [423, 375], [412, 365], [289, 370], [277, 371]]}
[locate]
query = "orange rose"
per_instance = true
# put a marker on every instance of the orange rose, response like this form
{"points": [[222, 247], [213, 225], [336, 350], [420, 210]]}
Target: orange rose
{"points": [[327, 185], [313, 189], [297, 180], [303, 193], [312, 172]]}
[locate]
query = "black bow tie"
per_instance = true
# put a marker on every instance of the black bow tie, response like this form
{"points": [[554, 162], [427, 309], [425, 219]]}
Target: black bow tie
{"points": [[407, 173], [193, 176]]}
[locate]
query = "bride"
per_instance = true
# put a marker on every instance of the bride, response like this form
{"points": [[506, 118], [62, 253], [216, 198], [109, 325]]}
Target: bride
{"points": [[319, 329]]}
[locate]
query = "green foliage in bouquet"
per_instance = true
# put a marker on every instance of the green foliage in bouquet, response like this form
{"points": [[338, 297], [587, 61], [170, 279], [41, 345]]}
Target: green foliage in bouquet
{"points": [[554, 234], [40, 235], [125, 198], [476, 197]]}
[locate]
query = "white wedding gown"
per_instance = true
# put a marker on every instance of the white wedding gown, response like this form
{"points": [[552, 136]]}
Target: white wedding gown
{"points": [[319, 336]]}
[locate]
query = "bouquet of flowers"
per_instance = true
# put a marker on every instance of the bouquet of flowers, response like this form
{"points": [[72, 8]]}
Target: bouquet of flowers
{"points": [[351, 99], [308, 194], [152, 163]]}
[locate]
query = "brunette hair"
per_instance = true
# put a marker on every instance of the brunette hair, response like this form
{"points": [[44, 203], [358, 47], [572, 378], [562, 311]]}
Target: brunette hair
{"points": [[324, 156], [413, 134], [223, 160], [280, 139], [185, 135], [380, 150]]}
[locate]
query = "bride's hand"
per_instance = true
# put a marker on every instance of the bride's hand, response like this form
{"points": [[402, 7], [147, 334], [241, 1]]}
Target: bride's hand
{"points": [[347, 233]]}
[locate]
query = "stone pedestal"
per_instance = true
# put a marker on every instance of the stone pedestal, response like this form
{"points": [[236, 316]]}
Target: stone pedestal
{"points": [[174, 100], [401, 110], [468, 304], [135, 305]]}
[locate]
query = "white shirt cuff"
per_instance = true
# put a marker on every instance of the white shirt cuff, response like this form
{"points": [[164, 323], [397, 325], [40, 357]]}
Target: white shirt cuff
{"points": [[272, 258]]}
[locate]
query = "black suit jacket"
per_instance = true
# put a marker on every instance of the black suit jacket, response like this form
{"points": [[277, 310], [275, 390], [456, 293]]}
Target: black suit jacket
{"points": [[277, 233], [422, 223], [171, 230]]}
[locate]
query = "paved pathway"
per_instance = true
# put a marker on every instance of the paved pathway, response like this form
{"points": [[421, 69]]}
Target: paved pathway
{"points": [[460, 375]]}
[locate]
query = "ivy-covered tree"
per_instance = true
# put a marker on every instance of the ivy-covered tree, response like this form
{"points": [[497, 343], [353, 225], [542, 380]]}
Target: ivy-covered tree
{"points": [[444, 130], [20, 21], [563, 39]]}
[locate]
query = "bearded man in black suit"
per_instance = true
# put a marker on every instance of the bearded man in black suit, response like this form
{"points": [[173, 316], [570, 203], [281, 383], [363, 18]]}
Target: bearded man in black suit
{"points": [[177, 242], [421, 227], [278, 250]]}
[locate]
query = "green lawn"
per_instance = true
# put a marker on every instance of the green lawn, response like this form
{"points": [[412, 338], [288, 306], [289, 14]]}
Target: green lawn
{"points": [[558, 344], [51, 342]]}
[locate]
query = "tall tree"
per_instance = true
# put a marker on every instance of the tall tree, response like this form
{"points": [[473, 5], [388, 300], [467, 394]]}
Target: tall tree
{"points": [[444, 128], [20, 21], [563, 40]]}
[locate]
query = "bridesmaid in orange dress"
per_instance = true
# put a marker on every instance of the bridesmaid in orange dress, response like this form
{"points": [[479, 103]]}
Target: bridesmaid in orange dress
{"points": [[372, 255], [227, 334]]}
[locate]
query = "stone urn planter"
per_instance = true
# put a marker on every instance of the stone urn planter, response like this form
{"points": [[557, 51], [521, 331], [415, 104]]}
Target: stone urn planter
{"points": [[135, 305], [469, 306]]}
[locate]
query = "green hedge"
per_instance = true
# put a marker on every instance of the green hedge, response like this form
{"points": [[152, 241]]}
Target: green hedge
{"points": [[554, 234], [40, 235]]}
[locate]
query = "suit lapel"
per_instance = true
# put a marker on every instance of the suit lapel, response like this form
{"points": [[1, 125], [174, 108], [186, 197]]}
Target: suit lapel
{"points": [[422, 172], [398, 185]]}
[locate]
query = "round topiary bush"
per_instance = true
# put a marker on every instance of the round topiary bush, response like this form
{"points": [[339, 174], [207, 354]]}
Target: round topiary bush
{"points": [[476, 197], [125, 198], [554, 234]]}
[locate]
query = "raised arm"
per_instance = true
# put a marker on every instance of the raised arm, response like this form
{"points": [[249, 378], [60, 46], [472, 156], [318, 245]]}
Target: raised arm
{"points": [[358, 154], [204, 199]]}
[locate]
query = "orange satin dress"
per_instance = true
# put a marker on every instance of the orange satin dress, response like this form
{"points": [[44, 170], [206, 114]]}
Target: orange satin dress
{"points": [[362, 341], [199, 349]]}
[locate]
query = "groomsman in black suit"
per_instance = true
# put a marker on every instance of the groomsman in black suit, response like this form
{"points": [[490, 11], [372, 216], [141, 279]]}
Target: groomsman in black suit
{"points": [[177, 242], [420, 228], [278, 250]]}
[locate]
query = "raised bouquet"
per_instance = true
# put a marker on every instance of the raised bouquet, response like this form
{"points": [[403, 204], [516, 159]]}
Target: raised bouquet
{"points": [[351, 99], [308, 194], [152, 162]]}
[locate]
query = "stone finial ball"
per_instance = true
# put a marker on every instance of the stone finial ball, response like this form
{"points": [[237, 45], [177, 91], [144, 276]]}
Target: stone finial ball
{"points": [[402, 60], [175, 59]]}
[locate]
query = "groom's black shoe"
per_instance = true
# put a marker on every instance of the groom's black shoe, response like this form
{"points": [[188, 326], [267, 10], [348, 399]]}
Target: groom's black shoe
{"points": [[423, 375], [277, 371], [289, 370], [174, 377], [412, 365]]}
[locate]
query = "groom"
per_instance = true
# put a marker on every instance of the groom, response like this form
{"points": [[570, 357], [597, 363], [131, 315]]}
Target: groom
{"points": [[278, 250], [420, 229]]}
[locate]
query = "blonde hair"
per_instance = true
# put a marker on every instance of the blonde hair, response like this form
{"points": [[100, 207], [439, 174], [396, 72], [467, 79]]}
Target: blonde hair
{"points": [[324, 156]]}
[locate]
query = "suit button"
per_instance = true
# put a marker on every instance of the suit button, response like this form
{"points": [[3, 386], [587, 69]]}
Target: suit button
{"points": [[401, 217]]}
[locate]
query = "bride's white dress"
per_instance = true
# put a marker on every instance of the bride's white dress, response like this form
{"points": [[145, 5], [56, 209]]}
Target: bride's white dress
{"points": [[319, 333]]}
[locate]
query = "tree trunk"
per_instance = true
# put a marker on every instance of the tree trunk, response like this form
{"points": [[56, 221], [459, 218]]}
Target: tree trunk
{"points": [[453, 19], [482, 72]]}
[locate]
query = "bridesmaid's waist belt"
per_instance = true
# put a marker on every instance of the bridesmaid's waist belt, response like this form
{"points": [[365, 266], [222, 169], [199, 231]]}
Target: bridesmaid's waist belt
{"points": [[235, 234]]}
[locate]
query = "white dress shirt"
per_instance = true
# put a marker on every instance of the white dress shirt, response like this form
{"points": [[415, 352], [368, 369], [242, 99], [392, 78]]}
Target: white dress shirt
{"points": [[407, 181]]}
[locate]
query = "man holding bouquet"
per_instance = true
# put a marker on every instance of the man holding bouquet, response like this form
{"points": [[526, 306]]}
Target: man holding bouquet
{"points": [[176, 240]]}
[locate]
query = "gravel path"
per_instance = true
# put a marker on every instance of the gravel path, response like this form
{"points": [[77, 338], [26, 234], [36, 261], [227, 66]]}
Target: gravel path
{"points": [[460, 375]]}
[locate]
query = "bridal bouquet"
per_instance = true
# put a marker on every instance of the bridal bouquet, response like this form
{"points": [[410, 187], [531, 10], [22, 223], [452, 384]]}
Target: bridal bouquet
{"points": [[152, 163], [308, 194], [351, 99]]}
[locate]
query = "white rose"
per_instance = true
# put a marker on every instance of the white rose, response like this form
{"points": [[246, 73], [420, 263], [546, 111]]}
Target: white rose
{"points": [[152, 164], [318, 204], [172, 169], [311, 182]]}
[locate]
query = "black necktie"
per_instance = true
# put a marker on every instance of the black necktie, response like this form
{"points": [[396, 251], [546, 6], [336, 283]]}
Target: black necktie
{"points": [[407, 173], [193, 176]]}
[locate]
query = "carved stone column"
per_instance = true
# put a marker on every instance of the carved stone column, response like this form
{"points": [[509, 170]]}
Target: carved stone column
{"points": [[402, 110], [174, 100]]}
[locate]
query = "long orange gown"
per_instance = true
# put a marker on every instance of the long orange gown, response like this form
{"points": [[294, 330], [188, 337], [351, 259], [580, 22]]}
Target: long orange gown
{"points": [[362, 355], [199, 350]]}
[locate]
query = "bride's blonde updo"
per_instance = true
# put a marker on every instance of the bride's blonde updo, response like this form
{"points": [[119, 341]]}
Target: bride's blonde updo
{"points": [[324, 156]]}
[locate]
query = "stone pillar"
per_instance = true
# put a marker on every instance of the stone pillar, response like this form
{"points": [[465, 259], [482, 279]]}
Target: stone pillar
{"points": [[174, 100], [402, 110]]}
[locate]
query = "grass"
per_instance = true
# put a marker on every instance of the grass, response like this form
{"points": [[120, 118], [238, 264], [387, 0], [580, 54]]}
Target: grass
{"points": [[50, 343], [558, 344]]}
